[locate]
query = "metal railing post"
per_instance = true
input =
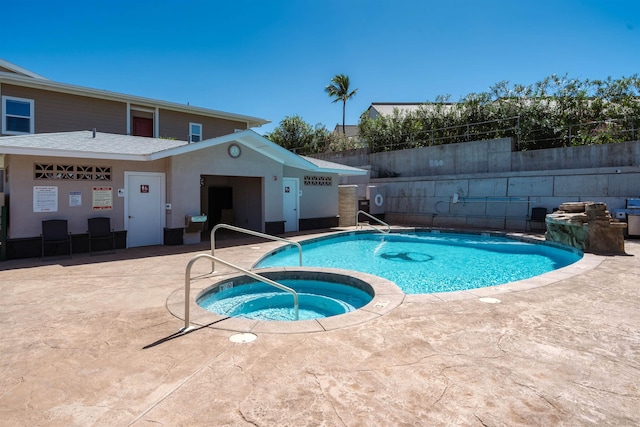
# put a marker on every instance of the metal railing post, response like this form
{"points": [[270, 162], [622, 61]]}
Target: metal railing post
{"points": [[187, 286], [375, 219], [252, 233]]}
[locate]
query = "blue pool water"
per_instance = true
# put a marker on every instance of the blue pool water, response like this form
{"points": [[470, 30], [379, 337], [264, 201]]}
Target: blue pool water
{"points": [[259, 301], [429, 262]]}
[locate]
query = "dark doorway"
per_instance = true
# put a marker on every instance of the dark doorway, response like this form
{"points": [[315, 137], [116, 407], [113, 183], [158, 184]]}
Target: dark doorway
{"points": [[142, 127], [220, 198]]}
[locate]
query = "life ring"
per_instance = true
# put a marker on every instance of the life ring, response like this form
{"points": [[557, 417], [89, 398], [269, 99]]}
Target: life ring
{"points": [[378, 200]]}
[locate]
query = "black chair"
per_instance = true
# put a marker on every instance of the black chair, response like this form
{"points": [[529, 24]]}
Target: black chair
{"points": [[100, 231], [55, 232], [538, 215]]}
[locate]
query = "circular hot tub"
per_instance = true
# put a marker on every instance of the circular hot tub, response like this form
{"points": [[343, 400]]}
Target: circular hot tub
{"points": [[320, 295]]}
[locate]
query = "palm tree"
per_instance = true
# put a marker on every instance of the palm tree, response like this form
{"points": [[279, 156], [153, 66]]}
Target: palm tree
{"points": [[339, 89]]}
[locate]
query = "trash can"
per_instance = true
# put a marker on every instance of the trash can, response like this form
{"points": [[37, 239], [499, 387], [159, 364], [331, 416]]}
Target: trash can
{"points": [[172, 236], [363, 205]]}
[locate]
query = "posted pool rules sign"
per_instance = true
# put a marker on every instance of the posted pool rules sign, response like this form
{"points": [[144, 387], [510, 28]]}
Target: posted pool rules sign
{"points": [[102, 198], [45, 198]]}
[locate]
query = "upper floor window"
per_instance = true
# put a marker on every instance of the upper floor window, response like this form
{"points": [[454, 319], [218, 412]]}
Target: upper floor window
{"points": [[17, 115], [195, 132]]}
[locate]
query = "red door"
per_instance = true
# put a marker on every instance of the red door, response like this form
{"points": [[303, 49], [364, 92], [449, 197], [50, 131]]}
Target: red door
{"points": [[142, 127]]}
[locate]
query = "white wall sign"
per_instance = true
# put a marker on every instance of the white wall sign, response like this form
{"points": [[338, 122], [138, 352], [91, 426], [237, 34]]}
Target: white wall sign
{"points": [[102, 198], [75, 198], [45, 198]]}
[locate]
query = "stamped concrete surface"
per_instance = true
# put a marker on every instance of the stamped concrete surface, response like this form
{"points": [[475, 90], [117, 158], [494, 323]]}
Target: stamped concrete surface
{"points": [[90, 341]]}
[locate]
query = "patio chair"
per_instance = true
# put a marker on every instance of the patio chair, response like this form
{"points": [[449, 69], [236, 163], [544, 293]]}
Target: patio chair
{"points": [[538, 215], [55, 232], [100, 231]]}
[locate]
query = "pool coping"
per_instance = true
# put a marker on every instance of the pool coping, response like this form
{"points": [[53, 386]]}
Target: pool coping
{"points": [[388, 295]]}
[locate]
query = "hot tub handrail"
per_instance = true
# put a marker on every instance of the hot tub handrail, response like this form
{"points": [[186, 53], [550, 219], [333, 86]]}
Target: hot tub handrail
{"points": [[187, 286], [375, 219], [251, 232]]}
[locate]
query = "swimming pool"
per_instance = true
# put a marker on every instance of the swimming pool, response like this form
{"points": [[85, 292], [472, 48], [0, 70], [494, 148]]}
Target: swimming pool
{"points": [[428, 262]]}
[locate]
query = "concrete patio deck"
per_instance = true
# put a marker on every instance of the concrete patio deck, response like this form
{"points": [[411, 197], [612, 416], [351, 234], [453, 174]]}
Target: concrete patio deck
{"points": [[91, 341]]}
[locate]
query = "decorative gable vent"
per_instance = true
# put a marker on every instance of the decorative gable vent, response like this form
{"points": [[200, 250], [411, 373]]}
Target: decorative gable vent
{"points": [[317, 180], [71, 172]]}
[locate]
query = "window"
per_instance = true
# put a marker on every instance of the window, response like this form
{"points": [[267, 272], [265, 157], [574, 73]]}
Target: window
{"points": [[17, 115], [195, 132]]}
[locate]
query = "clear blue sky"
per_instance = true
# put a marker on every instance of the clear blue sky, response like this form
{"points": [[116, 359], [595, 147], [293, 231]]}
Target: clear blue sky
{"points": [[271, 59]]}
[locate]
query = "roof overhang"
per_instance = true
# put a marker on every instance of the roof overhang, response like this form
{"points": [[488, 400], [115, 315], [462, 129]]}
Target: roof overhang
{"points": [[29, 80], [19, 70]]}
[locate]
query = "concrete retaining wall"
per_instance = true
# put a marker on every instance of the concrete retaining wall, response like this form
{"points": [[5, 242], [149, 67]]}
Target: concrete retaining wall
{"points": [[496, 155], [496, 186], [501, 200], [588, 156]]}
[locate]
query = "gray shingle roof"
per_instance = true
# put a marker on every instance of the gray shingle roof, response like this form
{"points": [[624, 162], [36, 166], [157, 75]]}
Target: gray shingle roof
{"points": [[387, 108], [334, 167], [350, 130], [82, 144]]}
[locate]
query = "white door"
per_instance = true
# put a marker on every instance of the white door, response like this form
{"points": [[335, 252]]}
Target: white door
{"points": [[144, 214], [290, 202]]}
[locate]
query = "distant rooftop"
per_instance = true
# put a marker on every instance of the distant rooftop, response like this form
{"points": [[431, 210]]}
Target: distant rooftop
{"points": [[351, 131], [387, 108]]}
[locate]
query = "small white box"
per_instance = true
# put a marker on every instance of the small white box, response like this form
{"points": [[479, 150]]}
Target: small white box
{"points": [[619, 214]]}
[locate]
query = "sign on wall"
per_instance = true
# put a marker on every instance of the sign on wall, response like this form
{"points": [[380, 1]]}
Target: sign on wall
{"points": [[102, 198], [75, 198], [45, 198]]}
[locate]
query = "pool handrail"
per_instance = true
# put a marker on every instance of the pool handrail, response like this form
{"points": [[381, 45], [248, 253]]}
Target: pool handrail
{"points": [[250, 232], [375, 219], [187, 286]]}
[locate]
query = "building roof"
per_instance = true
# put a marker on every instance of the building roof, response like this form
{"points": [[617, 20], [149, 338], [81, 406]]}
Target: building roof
{"points": [[7, 66], [338, 168], [15, 75], [83, 144], [387, 108], [351, 131]]}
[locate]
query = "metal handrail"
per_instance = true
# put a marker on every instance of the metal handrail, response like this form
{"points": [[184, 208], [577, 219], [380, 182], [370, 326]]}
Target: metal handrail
{"points": [[251, 232], [187, 286], [374, 218]]}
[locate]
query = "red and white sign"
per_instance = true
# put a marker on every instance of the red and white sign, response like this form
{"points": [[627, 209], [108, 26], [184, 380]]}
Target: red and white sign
{"points": [[102, 198]]}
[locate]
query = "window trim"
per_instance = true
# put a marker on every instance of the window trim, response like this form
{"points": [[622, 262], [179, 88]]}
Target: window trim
{"points": [[31, 117], [191, 134]]}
